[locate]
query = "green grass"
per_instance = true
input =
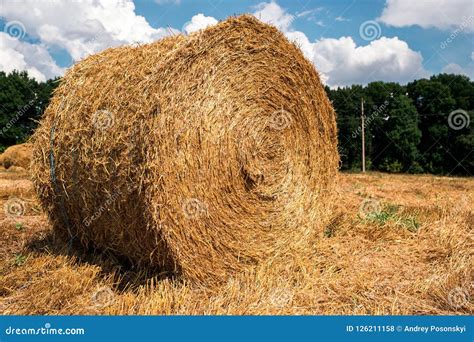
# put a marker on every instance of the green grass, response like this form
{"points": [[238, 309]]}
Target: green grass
{"points": [[20, 259], [390, 213]]}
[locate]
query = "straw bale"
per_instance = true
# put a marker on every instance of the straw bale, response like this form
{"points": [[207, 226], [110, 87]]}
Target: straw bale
{"points": [[201, 155], [17, 155]]}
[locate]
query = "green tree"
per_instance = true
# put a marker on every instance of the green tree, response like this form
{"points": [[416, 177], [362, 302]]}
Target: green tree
{"points": [[444, 148], [22, 101], [378, 97], [403, 135], [346, 101], [398, 137]]}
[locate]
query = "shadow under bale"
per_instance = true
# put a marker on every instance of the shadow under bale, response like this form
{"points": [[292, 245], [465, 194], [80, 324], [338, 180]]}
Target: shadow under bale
{"points": [[126, 275]]}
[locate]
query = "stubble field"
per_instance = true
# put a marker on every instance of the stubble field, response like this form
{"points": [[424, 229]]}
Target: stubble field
{"points": [[397, 244]]}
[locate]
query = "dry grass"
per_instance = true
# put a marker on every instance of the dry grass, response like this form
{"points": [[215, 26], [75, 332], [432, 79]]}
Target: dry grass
{"points": [[412, 256]]}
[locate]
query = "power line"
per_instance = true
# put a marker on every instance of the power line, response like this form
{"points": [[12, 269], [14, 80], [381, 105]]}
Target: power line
{"points": [[363, 132]]}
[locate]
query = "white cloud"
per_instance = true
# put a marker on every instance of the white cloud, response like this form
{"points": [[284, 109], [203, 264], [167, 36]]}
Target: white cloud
{"points": [[442, 14], [309, 13], [198, 22], [23, 56], [88, 26], [82, 27], [272, 13], [341, 18], [342, 62], [453, 68], [388, 59]]}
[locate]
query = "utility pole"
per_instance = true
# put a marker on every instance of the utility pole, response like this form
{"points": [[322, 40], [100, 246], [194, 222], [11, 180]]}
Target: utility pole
{"points": [[362, 117]]}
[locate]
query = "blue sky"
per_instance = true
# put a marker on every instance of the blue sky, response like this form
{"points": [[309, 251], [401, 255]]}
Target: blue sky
{"points": [[405, 39], [427, 41]]}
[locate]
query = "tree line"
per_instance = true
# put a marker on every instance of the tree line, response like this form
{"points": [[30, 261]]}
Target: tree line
{"points": [[22, 101], [421, 127]]}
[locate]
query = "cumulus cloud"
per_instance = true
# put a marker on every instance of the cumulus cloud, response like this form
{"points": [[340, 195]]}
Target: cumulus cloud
{"points": [[88, 26], [23, 56], [388, 59], [341, 62], [82, 27], [272, 13], [198, 22], [444, 15], [453, 68]]}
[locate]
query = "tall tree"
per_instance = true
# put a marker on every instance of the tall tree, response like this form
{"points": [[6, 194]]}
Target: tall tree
{"points": [[434, 102], [398, 137], [346, 101], [22, 100]]}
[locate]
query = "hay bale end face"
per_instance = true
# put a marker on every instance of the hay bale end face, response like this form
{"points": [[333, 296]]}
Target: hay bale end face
{"points": [[202, 155]]}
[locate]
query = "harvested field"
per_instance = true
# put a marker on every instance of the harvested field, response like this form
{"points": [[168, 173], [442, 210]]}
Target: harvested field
{"points": [[397, 244]]}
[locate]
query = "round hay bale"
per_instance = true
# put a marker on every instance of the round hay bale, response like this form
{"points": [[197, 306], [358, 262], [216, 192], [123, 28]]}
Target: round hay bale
{"points": [[202, 155], [17, 155]]}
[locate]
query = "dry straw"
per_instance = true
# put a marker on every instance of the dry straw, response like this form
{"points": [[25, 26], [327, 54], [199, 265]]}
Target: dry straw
{"points": [[202, 155], [17, 155]]}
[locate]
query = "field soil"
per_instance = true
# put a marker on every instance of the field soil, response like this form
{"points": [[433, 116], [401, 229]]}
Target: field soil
{"points": [[397, 244]]}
